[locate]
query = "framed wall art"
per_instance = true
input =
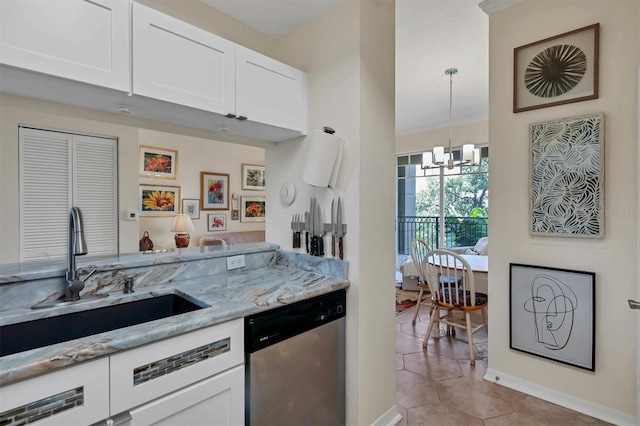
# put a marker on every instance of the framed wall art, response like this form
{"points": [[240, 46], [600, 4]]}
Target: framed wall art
{"points": [[253, 209], [158, 162], [552, 314], [253, 177], [158, 200], [191, 206], [214, 191], [216, 222], [557, 70], [567, 177]]}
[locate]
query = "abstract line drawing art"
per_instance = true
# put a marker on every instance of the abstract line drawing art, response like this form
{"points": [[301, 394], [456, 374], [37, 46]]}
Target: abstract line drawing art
{"points": [[567, 177], [552, 305], [557, 70], [552, 314]]}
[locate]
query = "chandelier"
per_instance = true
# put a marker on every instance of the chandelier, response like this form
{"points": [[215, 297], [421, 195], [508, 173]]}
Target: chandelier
{"points": [[470, 155]]}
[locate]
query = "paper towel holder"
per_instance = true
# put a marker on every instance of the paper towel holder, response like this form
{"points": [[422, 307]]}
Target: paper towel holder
{"points": [[324, 158]]}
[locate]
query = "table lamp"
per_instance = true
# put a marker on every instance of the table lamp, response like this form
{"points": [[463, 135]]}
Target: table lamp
{"points": [[181, 226]]}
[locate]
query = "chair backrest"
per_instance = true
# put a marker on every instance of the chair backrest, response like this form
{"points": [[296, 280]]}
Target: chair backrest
{"points": [[450, 278], [419, 250]]}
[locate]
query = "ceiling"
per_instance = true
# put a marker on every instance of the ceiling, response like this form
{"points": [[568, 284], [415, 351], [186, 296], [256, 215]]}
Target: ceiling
{"points": [[431, 36]]}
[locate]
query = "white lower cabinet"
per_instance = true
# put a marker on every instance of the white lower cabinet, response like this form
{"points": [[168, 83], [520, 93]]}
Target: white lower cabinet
{"points": [[218, 400], [77, 395], [195, 378]]}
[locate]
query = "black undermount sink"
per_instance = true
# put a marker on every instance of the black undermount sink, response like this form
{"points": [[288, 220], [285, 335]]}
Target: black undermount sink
{"points": [[28, 335]]}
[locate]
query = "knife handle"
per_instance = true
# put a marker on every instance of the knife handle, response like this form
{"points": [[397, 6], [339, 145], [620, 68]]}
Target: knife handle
{"points": [[306, 240], [320, 246], [314, 246], [333, 245], [295, 243], [340, 251]]}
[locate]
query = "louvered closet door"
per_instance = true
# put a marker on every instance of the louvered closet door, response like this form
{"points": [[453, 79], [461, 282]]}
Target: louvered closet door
{"points": [[59, 170]]}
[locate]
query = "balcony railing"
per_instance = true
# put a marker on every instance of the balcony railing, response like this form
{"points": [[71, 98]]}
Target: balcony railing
{"points": [[458, 231]]}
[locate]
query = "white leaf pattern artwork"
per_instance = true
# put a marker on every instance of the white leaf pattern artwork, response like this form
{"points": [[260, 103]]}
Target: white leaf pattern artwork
{"points": [[567, 188]]}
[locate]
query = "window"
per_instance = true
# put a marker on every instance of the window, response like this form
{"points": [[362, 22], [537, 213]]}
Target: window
{"points": [[446, 208], [57, 171]]}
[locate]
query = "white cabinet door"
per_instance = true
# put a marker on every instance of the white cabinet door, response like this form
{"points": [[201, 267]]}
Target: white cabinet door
{"points": [[151, 371], [80, 40], [270, 92], [78, 395], [177, 62], [218, 400]]}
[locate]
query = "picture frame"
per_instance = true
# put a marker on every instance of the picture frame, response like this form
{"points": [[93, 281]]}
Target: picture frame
{"points": [[235, 214], [566, 174], [214, 191], [537, 81], [552, 314], [158, 200], [159, 163], [253, 209], [191, 206], [216, 222], [253, 177]]}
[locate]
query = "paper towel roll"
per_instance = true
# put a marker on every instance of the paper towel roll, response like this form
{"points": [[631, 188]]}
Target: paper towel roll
{"points": [[323, 160]]}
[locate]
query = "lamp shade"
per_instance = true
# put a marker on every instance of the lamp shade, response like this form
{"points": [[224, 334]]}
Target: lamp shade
{"points": [[182, 223]]}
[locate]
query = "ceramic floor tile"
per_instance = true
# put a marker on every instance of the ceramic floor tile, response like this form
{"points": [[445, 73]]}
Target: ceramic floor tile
{"points": [[403, 413], [407, 344], [399, 362], [452, 347], [419, 329], [472, 397], [412, 390], [431, 366], [546, 413], [439, 415]]}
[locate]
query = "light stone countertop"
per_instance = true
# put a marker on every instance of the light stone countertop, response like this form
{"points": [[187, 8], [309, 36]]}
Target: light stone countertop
{"points": [[291, 277]]}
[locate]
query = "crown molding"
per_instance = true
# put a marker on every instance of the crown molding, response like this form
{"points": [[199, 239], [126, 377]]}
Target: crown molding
{"points": [[492, 6]]}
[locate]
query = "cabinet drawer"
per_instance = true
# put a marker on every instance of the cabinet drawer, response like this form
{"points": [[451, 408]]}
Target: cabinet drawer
{"points": [[154, 370], [69, 396]]}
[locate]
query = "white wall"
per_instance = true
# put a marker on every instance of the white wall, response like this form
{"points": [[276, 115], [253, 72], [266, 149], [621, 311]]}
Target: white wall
{"points": [[197, 155], [611, 389], [349, 55]]}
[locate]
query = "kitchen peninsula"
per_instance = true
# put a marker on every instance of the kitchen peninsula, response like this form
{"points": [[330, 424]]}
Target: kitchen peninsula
{"points": [[269, 279]]}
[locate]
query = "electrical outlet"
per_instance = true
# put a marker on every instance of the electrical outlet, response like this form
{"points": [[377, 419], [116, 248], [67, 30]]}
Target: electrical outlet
{"points": [[235, 262]]}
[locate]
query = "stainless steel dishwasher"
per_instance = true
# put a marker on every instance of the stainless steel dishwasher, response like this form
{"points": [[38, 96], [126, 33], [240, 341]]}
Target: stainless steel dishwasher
{"points": [[295, 363]]}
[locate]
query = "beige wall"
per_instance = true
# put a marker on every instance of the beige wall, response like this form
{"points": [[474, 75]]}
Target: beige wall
{"points": [[349, 55], [197, 155], [476, 133], [611, 389], [194, 155]]}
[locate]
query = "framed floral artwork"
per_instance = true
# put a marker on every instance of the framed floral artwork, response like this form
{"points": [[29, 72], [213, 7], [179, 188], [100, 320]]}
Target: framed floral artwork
{"points": [[253, 177], [191, 206], [158, 162], [557, 70], [216, 222], [158, 200], [253, 209], [214, 191]]}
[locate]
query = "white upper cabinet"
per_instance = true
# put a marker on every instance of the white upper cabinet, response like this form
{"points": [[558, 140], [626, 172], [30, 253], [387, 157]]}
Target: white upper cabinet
{"points": [[177, 62], [268, 91], [81, 40]]}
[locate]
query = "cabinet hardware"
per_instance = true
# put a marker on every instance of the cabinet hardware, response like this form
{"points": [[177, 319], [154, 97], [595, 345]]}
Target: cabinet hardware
{"points": [[634, 304]]}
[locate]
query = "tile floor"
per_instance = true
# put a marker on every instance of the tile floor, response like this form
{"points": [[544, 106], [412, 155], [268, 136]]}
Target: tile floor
{"points": [[441, 388]]}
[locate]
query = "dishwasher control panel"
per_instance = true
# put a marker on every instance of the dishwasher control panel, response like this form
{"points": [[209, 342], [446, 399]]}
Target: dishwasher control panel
{"points": [[275, 325]]}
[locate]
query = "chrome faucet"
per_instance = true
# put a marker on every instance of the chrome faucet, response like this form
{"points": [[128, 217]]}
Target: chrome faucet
{"points": [[76, 247]]}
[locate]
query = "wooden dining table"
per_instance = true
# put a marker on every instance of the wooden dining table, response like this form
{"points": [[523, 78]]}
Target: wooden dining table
{"points": [[480, 266]]}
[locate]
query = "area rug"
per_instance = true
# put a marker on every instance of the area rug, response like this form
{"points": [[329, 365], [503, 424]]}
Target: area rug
{"points": [[405, 300]]}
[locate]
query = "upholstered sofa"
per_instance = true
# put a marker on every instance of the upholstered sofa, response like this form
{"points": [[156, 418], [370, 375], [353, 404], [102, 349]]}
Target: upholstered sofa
{"points": [[226, 238]]}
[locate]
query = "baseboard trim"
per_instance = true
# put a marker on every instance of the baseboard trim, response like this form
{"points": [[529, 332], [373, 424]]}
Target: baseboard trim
{"points": [[562, 399], [390, 418]]}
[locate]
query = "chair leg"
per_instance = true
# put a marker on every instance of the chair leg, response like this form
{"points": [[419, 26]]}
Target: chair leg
{"points": [[483, 311], [472, 355], [415, 316], [433, 319]]}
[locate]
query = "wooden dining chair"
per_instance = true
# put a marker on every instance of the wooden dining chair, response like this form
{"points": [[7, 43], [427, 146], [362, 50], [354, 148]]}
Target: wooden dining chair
{"points": [[453, 296], [419, 250]]}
